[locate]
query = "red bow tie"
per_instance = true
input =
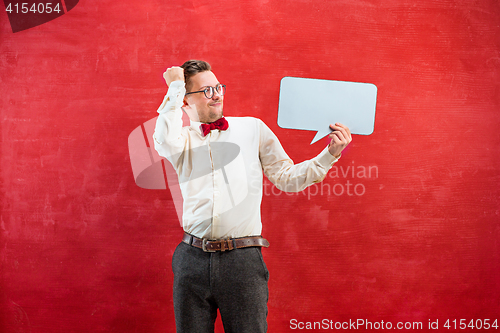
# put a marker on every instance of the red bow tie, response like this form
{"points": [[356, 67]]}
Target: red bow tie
{"points": [[220, 124]]}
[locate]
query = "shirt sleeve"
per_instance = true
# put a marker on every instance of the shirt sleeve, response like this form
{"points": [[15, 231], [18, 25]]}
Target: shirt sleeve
{"points": [[168, 139], [281, 170]]}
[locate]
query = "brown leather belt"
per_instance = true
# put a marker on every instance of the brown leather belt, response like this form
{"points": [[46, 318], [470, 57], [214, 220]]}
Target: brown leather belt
{"points": [[224, 244]]}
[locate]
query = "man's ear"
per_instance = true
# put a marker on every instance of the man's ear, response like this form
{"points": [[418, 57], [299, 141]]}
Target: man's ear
{"points": [[190, 110]]}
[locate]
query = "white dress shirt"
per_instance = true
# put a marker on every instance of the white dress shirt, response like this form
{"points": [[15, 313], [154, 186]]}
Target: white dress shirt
{"points": [[220, 175]]}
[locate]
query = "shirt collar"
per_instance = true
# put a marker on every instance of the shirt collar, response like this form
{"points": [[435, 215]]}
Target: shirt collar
{"points": [[195, 125]]}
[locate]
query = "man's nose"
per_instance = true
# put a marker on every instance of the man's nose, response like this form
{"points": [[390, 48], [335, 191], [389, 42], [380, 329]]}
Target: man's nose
{"points": [[216, 95]]}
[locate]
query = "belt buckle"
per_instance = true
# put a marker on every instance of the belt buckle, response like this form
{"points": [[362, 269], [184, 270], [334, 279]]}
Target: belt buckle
{"points": [[204, 246]]}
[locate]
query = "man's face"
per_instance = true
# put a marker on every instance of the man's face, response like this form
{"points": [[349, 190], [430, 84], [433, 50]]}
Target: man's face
{"points": [[208, 109]]}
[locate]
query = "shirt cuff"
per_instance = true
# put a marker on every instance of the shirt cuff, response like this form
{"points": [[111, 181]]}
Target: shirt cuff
{"points": [[176, 84], [175, 95], [326, 159]]}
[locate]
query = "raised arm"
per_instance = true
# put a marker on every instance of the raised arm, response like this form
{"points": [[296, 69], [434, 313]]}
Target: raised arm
{"points": [[168, 138]]}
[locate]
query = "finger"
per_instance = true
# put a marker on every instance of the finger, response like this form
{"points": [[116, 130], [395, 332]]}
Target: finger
{"points": [[346, 135], [342, 134], [338, 137], [336, 127], [344, 129]]}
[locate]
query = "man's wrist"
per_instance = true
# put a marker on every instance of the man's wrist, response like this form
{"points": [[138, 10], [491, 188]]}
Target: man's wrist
{"points": [[177, 83], [337, 156]]}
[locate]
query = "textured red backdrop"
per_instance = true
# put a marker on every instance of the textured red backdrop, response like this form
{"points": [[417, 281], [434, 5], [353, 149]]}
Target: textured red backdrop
{"points": [[84, 249]]}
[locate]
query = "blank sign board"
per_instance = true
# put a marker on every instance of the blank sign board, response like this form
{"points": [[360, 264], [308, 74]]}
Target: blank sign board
{"points": [[313, 104]]}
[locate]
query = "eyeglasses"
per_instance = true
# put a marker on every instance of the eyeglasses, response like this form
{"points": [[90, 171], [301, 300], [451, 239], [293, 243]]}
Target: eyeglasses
{"points": [[210, 91]]}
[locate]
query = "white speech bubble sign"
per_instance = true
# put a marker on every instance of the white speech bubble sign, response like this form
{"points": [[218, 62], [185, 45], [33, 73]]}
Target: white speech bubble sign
{"points": [[314, 104]]}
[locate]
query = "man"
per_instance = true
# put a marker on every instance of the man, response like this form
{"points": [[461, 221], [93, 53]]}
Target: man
{"points": [[219, 161]]}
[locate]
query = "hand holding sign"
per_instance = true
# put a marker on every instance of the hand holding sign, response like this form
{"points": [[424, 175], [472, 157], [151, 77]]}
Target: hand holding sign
{"points": [[340, 138], [311, 104]]}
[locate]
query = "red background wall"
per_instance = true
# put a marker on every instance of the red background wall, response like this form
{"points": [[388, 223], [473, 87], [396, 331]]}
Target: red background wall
{"points": [[84, 249]]}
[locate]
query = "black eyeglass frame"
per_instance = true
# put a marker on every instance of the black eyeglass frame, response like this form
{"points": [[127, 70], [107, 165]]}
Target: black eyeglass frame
{"points": [[211, 90]]}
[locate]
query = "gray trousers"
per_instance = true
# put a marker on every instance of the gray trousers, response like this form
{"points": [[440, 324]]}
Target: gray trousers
{"points": [[235, 282]]}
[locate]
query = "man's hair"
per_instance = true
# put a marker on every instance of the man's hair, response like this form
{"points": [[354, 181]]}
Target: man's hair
{"points": [[193, 67]]}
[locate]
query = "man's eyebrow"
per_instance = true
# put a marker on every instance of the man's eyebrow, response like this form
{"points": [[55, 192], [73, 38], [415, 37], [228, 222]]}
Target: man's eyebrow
{"points": [[210, 86]]}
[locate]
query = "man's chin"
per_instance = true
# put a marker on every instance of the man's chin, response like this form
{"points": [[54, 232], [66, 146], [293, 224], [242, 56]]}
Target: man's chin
{"points": [[213, 117], [218, 113]]}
